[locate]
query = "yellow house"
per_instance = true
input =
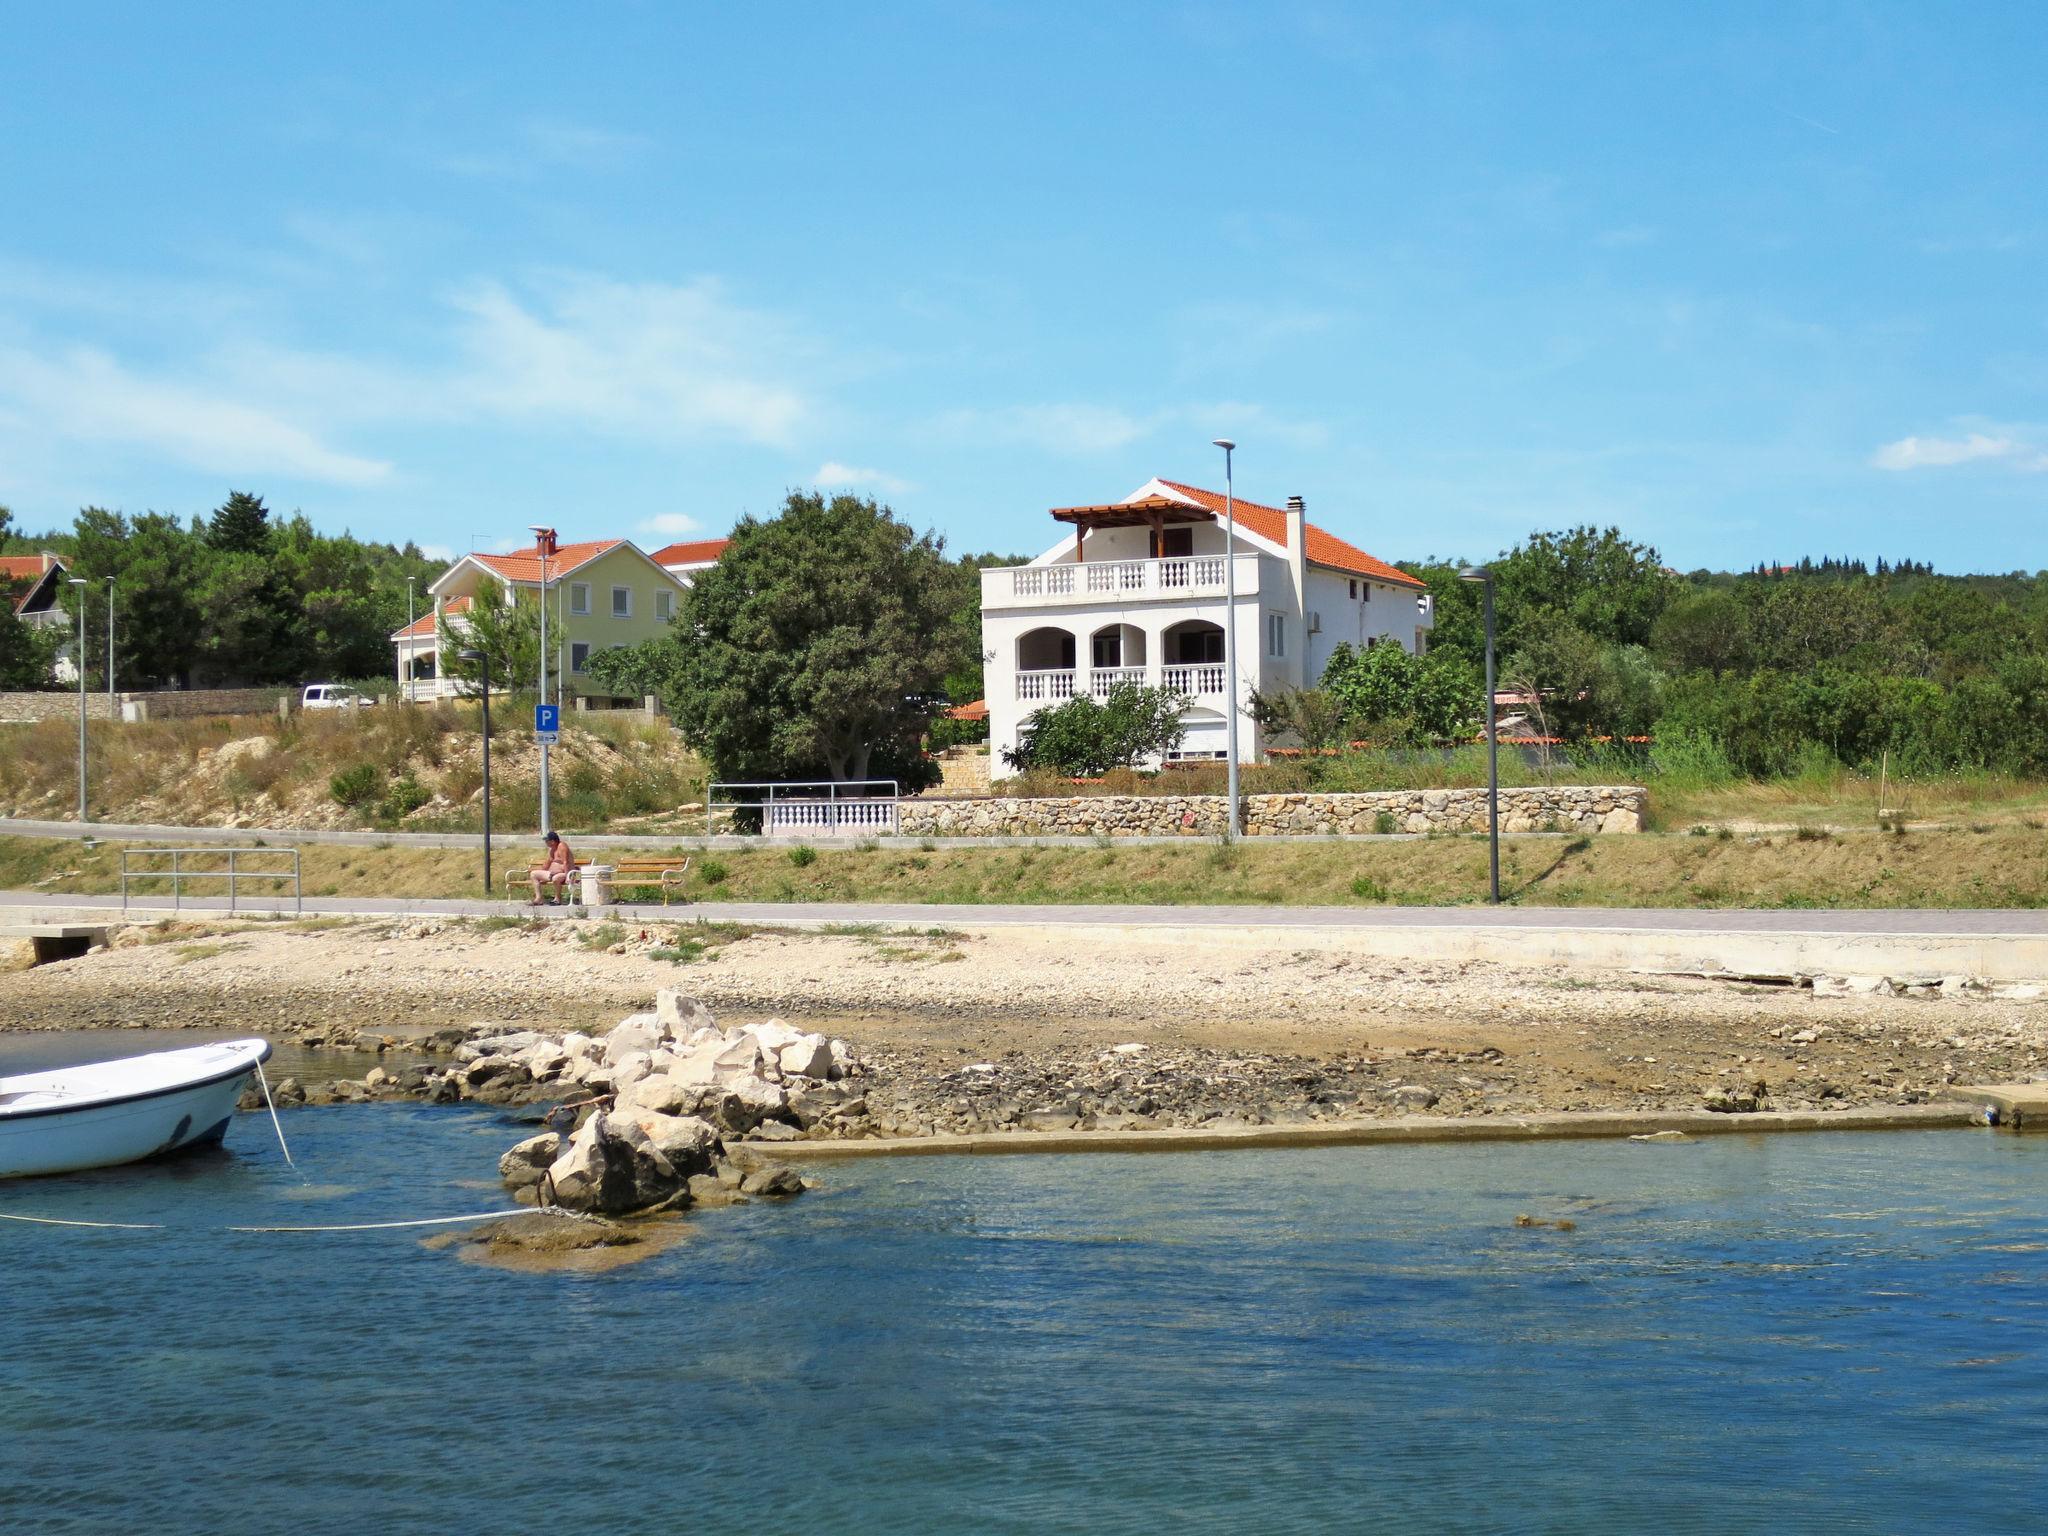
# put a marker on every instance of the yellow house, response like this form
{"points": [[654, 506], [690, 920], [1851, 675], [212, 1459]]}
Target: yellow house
{"points": [[601, 595]]}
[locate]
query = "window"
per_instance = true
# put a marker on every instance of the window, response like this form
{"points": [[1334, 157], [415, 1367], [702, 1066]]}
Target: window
{"points": [[579, 597], [664, 605], [579, 657], [622, 602], [1276, 634], [1366, 595], [1354, 586], [1176, 543]]}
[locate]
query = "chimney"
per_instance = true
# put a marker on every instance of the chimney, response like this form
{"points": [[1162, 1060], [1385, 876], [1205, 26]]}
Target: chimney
{"points": [[1297, 576]]}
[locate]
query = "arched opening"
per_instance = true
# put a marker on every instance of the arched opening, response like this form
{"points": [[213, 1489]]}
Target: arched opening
{"points": [[1045, 664], [1193, 653], [1116, 654]]}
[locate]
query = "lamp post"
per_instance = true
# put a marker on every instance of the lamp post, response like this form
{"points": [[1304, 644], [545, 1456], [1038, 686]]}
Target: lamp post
{"points": [[1484, 576], [1230, 636], [110, 648], [77, 583], [412, 653], [543, 545], [483, 660]]}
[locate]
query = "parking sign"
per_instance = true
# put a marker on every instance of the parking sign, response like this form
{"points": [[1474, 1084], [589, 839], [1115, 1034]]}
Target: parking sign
{"points": [[547, 723]]}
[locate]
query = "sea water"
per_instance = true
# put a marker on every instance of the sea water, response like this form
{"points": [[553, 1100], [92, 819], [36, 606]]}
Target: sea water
{"points": [[1842, 1332]]}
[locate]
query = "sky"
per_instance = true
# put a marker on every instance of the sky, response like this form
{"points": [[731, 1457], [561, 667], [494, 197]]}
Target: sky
{"points": [[1750, 281]]}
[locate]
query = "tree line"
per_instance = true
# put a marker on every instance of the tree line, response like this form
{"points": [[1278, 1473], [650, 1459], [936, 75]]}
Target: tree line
{"points": [[234, 598]]}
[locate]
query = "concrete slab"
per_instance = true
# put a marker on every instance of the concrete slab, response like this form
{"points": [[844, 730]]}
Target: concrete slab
{"points": [[59, 941], [2018, 1104], [1397, 1131]]}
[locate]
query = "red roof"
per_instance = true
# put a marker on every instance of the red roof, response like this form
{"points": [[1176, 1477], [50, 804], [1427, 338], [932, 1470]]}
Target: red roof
{"points": [[1324, 548], [696, 552], [977, 710], [25, 567], [423, 626], [524, 564]]}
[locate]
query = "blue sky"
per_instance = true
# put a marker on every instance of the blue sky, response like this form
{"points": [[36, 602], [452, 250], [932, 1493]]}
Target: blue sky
{"points": [[1752, 282]]}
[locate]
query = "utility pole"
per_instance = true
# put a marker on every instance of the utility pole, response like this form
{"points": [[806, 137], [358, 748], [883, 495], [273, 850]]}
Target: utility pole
{"points": [[544, 546], [110, 648], [412, 645], [1230, 827], [78, 592]]}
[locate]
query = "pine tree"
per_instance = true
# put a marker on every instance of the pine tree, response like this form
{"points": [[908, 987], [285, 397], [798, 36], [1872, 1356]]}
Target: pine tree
{"points": [[240, 526]]}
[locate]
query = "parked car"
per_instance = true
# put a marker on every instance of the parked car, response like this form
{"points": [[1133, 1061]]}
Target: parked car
{"points": [[332, 696]]}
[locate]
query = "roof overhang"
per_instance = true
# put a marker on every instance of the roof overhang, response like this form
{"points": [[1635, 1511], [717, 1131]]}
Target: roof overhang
{"points": [[1147, 512]]}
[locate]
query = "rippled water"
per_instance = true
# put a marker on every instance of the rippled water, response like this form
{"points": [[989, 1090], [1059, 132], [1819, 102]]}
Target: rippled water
{"points": [[1843, 1332]]}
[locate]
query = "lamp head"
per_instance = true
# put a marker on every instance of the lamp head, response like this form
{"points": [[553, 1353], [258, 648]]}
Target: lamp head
{"points": [[469, 655], [1475, 573], [78, 581], [1224, 443]]}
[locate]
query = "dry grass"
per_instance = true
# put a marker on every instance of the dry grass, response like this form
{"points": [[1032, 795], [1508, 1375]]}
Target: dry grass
{"points": [[2001, 866], [266, 771]]}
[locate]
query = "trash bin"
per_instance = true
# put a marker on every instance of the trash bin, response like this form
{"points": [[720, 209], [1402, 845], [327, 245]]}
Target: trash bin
{"points": [[597, 885]]}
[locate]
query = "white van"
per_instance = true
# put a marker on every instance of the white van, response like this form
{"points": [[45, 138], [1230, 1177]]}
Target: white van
{"points": [[332, 696]]}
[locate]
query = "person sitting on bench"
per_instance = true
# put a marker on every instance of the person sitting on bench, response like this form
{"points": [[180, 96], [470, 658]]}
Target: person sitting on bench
{"points": [[559, 870]]}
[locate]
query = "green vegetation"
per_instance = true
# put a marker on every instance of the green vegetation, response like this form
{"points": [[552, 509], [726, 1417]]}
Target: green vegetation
{"points": [[816, 648], [1131, 724], [357, 785], [233, 598]]}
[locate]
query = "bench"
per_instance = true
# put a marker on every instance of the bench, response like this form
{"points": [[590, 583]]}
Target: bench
{"points": [[516, 879], [667, 874]]}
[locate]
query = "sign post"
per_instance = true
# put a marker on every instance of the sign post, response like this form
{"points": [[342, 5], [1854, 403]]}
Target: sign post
{"points": [[547, 724]]}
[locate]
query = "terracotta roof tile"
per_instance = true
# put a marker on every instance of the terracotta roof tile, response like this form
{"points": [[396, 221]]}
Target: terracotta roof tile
{"points": [[695, 552], [524, 564], [1324, 548], [423, 626]]}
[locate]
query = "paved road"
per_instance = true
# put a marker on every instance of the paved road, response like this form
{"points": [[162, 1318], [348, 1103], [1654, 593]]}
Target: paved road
{"points": [[30, 906]]}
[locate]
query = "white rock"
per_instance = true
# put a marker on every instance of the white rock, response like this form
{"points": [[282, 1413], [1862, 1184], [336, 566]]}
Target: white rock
{"points": [[630, 1069], [763, 1098], [806, 1056], [678, 1014], [578, 1045], [684, 1140], [637, 1033], [1130, 1049], [773, 1035], [2016, 991], [578, 1170], [661, 1093], [843, 1059]]}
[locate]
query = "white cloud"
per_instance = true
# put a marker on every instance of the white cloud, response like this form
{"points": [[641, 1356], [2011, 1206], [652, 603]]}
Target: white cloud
{"points": [[437, 552], [83, 395], [650, 360], [673, 524], [833, 475], [1944, 452]]}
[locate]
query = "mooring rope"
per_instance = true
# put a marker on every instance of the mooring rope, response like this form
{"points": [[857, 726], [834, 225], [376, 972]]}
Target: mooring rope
{"points": [[355, 1226], [271, 1105]]}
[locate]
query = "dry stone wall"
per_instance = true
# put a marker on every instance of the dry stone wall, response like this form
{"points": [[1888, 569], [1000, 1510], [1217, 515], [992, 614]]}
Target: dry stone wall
{"points": [[62, 704], [1561, 808]]}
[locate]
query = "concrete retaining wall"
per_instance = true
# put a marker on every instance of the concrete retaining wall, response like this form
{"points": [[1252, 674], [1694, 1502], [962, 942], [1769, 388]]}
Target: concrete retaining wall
{"points": [[1562, 808]]}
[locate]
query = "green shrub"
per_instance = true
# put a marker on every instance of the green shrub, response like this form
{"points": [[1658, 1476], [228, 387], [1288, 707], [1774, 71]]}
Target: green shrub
{"points": [[712, 872], [803, 855], [356, 787], [405, 796], [1383, 823], [1365, 888]]}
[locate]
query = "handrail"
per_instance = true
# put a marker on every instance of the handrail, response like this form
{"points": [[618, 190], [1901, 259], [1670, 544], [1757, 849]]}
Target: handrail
{"points": [[178, 874], [844, 803]]}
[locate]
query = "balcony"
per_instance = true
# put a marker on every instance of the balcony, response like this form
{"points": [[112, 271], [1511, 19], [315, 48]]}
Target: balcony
{"points": [[1113, 583], [1052, 687]]}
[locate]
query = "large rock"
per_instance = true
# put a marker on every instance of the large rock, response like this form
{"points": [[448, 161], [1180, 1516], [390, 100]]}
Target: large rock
{"points": [[663, 1093], [689, 1144], [638, 1032], [525, 1165], [630, 1069], [806, 1056], [679, 1016], [595, 1171]]}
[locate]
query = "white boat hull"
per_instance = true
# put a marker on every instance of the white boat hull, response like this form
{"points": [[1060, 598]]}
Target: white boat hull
{"points": [[95, 1118]]}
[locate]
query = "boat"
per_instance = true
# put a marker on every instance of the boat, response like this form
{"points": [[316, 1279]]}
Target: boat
{"points": [[123, 1111]]}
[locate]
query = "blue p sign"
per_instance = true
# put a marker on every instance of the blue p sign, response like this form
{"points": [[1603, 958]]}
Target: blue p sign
{"points": [[547, 721]]}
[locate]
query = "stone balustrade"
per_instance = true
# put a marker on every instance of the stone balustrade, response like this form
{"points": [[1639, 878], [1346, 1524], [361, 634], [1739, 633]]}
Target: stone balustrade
{"points": [[1545, 808]]}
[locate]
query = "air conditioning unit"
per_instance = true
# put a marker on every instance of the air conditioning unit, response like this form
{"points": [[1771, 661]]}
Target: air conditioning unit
{"points": [[1315, 623]]}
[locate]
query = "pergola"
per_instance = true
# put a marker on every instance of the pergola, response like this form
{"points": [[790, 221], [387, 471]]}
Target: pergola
{"points": [[1153, 512]]}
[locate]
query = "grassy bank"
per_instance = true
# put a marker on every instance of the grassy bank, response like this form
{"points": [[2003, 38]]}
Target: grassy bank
{"points": [[1999, 866]]}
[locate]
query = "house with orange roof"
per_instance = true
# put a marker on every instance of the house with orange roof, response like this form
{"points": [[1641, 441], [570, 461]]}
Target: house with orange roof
{"points": [[1135, 591], [33, 586], [602, 594]]}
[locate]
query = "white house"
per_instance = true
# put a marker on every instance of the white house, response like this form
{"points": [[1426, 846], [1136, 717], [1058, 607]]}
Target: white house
{"points": [[1136, 592], [33, 585], [602, 594]]}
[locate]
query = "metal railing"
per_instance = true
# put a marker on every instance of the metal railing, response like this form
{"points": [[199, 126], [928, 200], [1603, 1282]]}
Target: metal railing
{"points": [[820, 807], [236, 872]]}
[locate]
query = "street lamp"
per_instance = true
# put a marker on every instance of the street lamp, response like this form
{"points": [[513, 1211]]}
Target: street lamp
{"points": [[483, 660], [1484, 577], [79, 581], [543, 545], [110, 648], [1230, 633]]}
